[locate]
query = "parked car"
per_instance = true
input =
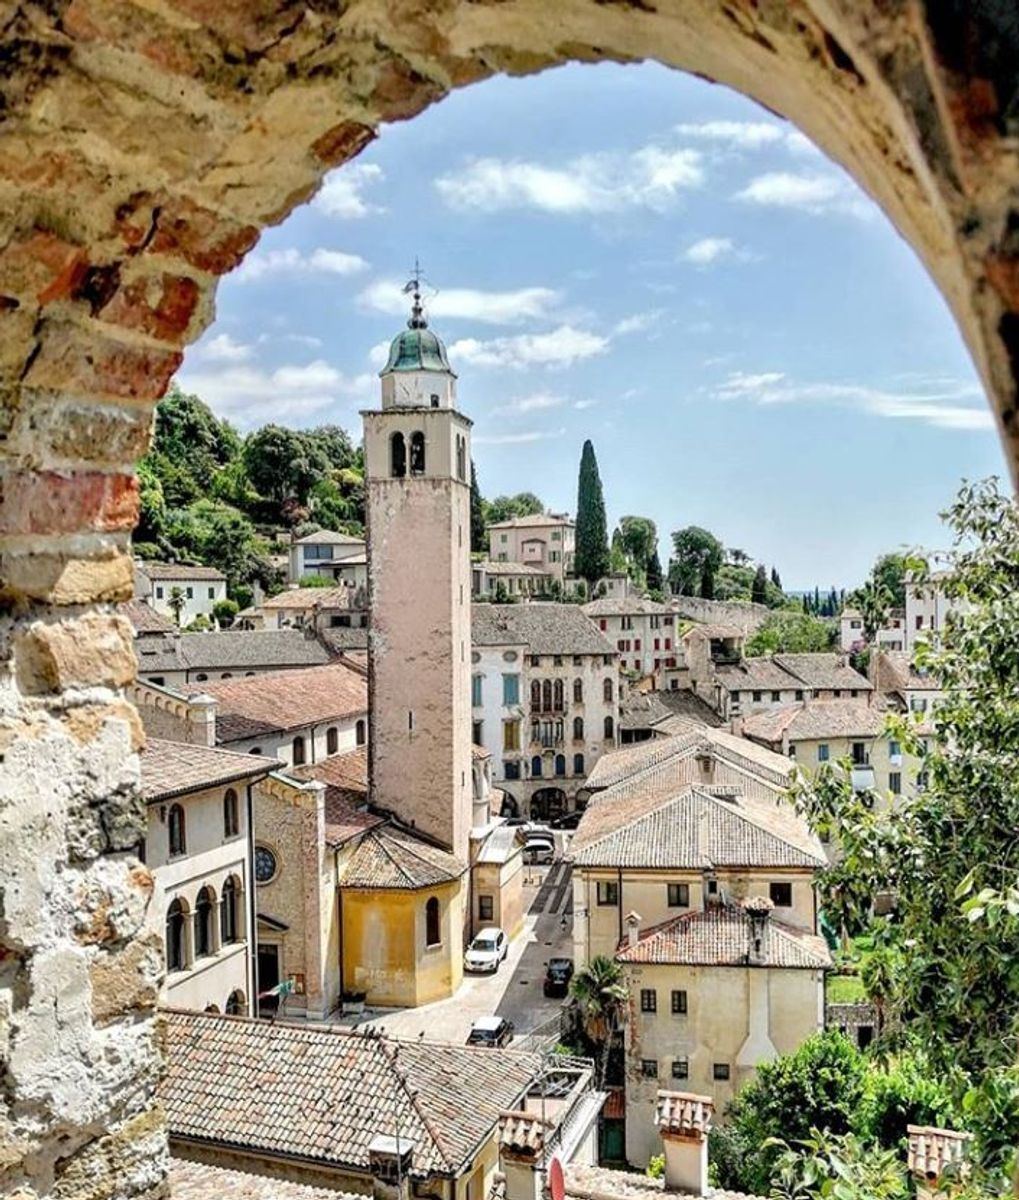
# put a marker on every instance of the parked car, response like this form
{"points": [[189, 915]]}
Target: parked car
{"points": [[539, 828], [513, 821], [487, 951], [568, 820], [490, 1031], [558, 973], [539, 849]]}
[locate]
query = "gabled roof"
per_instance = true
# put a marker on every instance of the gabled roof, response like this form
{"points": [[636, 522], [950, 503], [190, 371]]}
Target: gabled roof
{"points": [[756, 674], [326, 537], [310, 598], [203, 1181], [816, 719], [894, 672], [346, 780], [388, 857], [584, 1182], [824, 672], [229, 650], [283, 700], [176, 768], [534, 521], [508, 568], [155, 570], [145, 619], [322, 1093], [722, 937], [543, 627], [650, 710]]}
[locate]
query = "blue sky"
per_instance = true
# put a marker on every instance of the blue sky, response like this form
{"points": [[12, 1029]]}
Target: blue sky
{"points": [[642, 258]]}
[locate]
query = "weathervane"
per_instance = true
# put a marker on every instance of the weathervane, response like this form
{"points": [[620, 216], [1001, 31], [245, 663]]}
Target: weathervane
{"points": [[417, 317]]}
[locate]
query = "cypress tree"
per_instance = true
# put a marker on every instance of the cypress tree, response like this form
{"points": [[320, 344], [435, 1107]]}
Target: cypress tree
{"points": [[592, 556], [654, 572], [478, 545], [707, 583], [806, 605], [759, 588], [775, 578]]}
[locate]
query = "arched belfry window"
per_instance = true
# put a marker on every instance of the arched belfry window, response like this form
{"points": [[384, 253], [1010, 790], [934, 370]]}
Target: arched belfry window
{"points": [[417, 453], [397, 456], [461, 457]]}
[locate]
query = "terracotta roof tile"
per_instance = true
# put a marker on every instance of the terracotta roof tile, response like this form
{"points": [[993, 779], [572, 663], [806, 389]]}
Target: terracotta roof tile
{"points": [[322, 1093], [230, 650], [543, 627], [721, 937], [816, 719], [154, 570], [932, 1151], [824, 672], [523, 1132], [176, 768], [683, 1113], [894, 672], [614, 606], [388, 857], [202, 1181], [602, 1183], [144, 618]]}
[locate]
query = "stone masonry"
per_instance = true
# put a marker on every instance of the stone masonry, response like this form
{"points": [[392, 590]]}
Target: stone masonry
{"points": [[144, 144]]}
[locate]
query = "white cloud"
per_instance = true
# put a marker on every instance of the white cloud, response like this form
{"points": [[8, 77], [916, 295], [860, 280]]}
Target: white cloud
{"points": [[534, 403], [494, 308], [582, 404], [947, 408], [378, 355], [222, 348], [295, 262], [747, 135], [815, 194], [289, 394], [652, 177], [341, 195], [558, 348], [303, 339], [517, 439], [638, 322], [709, 250]]}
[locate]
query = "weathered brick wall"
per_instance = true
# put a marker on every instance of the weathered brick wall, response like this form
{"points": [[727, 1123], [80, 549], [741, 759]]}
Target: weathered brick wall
{"points": [[143, 146]]}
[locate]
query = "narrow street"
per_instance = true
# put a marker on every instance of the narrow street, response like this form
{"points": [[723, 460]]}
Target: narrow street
{"points": [[515, 990]]}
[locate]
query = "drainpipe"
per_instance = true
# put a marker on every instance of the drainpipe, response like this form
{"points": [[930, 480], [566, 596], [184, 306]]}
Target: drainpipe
{"points": [[252, 907], [619, 897], [339, 919]]}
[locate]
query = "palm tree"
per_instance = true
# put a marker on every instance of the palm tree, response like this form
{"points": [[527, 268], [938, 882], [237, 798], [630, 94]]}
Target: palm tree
{"points": [[873, 600], [176, 603], [600, 994]]}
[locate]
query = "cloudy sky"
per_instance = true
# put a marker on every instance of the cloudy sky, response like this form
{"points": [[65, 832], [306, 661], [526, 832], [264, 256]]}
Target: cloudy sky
{"points": [[648, 260]]}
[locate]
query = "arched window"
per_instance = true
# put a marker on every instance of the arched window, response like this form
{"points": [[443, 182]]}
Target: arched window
{"points": [[607, 691], [578, 691], [212, 1008], [205, 906], [417, 453], [397, 456], [298, 751], [610, 728], [536, 695], [559, 695], [578, 764], [229, 911], [546, 696], [227, 675], [360, 732], [201, 677], [176, 936], [578, 729], [332, 740], [236, 1003], [175, 824], [536, 767], [255, 750], [231, 815], [433, 930], [560, 764]]}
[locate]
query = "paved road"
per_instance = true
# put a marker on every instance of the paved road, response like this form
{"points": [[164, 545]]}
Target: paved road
{"points": [[515, 990]]}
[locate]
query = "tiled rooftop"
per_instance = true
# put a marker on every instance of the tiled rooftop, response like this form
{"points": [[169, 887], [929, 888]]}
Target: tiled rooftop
{"points": [[825, 672], [322, 1093], [144, 618], [326, 537], [612, 606], [309, 598], [176, 768], [388, 857], [230, 650], [816, 719], [346, 780], [156, 570], [721, 937], [533, 521], [543, 627], [683, 1112], [201, 1181], [895, 673], [602, 1183], [285, 700]]}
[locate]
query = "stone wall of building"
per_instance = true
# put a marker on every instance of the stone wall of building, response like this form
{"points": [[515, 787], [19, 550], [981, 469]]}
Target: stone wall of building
{"points": [[143, 148], [747, 617]]}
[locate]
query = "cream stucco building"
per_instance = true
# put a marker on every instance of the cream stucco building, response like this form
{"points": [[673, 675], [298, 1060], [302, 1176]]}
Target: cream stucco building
{"points": [[546, 541]]}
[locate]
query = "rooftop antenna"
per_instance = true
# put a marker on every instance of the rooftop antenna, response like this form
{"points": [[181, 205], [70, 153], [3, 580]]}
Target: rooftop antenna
{"points": [[413, 286]]}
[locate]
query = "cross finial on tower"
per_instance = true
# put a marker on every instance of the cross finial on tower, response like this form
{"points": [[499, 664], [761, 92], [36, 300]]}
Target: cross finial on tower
{"points": [[417, 316]]}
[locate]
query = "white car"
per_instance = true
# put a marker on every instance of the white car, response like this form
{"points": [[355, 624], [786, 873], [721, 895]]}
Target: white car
{"points": [[486, 952]]}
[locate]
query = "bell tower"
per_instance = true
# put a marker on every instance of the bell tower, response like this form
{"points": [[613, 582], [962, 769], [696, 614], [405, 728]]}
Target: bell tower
{"points": [[417, 458]]}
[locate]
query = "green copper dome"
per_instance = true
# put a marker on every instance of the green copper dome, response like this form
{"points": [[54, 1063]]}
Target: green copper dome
{"points": [[417, 349]]}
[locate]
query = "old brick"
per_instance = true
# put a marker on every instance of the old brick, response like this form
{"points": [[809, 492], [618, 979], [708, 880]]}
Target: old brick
{"points": [[342, 142], [202, 238], [42, 266], [401, 92], [64, 502], [161, 307], [87, 364], [93, 433], [60, 578], [94, 650]]}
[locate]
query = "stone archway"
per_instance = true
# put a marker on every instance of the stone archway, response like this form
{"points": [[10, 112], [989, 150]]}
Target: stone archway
{"points": [[143, 147]]}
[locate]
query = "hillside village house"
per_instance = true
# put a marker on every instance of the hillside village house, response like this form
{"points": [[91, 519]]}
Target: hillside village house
{"points": [[642, 631], [546, 541], [682, 837], [199, 589], [509, 580], [830, 730], [312, 608], [336, 556], [902, 686], [655, 714], [198, 848], [174, 660], [891, 635], [544, 701], [928, 609]]}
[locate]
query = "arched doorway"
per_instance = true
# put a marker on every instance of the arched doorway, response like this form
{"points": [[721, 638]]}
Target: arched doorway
{"points": [[548, 803]]}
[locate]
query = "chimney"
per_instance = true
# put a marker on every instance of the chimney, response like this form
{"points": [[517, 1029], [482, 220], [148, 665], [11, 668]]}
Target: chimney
{"points": [[684, 1121], [201, 720], [632, 928], [521, 1153], [390, 1161], [758, 910], [938, 1160]]}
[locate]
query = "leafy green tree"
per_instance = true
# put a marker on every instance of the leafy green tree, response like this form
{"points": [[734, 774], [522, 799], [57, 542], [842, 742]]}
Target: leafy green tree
{"points": [[693, 548], [638, 537], [334, 444], [654, 578], [707, 582], [217, 535], [790, 632], [189, 435], [285, 463], [502, 508], [890, 571], [152, 503], [225, 612], [591, 560], [176, 601], [479, 540], [838, 1167], [759, 588]]}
